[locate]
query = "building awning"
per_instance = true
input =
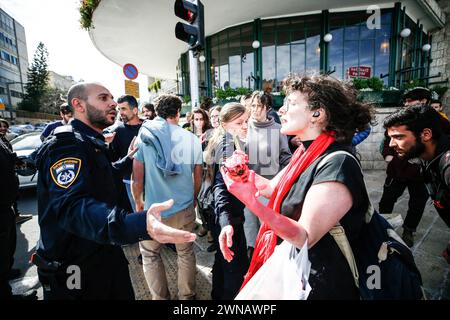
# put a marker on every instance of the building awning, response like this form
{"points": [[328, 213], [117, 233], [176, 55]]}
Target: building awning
{"points": [[141, 32]]}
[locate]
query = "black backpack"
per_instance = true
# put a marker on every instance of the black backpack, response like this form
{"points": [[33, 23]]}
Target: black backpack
{"points": [[382, 264]]}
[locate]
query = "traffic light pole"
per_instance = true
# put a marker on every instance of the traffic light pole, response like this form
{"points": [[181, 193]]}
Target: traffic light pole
{"points": [[193, 76]]}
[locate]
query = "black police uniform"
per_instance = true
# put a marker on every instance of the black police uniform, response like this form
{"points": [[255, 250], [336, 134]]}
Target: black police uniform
{"points": [[79, 220], [9, 188]]}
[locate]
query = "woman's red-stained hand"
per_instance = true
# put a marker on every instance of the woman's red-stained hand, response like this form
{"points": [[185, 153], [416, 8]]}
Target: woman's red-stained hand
{"points": [[245, 191]]}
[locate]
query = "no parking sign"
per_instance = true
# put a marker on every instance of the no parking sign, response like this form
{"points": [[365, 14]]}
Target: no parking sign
{"points": [[130, 71]]}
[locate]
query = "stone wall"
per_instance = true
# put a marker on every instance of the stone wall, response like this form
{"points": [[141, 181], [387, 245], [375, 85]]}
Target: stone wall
{"points": [[368, 150], [440, 53]]}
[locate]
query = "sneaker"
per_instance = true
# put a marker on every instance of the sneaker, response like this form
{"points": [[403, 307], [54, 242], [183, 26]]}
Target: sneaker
{"points": [[446, 255], [30, 295], [21, 218], [408, 237], [14, 274]]}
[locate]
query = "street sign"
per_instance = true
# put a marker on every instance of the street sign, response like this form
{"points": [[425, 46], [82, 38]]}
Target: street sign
{"points": [[130, 71], [132, 88], [362, 72]]}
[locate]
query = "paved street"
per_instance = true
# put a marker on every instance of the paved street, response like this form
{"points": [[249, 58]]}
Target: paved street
{"points": [[430, 240]]}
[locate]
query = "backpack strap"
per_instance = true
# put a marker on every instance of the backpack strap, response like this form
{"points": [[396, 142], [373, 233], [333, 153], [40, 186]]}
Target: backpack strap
{"points": [[338, 232]]}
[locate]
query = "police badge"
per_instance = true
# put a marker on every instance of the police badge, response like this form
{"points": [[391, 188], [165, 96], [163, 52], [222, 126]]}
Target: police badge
{"points": [[65, 171]]}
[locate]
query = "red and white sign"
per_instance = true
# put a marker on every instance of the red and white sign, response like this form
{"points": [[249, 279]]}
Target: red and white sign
{"points": [[362, 72], [130, 71]]}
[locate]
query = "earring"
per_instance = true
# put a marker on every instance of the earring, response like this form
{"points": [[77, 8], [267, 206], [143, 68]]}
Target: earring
{"points": [[316, 114]]}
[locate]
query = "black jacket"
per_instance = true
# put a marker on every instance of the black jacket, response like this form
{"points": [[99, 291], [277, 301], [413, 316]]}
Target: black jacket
{"points": [[77, 201], [9, 186], [437, 178]]}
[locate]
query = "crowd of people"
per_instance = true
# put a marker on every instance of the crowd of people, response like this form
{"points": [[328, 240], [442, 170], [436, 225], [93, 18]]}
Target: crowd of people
{"points": [[111, 183]]}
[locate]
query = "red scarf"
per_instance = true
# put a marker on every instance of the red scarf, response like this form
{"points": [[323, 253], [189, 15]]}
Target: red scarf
{"points": [[301, 159]]}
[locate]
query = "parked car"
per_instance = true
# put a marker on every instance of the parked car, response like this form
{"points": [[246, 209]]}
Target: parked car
{"points": [[24, 146]]}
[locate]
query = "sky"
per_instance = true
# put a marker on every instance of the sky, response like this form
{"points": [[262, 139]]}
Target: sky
{"points": [[71, 52]]}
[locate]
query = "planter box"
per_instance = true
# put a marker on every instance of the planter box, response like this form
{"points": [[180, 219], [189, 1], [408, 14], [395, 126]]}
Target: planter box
{"points": [[223, 102], [382, 98]]}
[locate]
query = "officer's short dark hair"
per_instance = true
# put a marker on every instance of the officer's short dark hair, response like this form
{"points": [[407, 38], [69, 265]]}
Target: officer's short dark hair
{"points": [[77, 91], [132, 102], [65, 108], [168, 106], [416, 119]]}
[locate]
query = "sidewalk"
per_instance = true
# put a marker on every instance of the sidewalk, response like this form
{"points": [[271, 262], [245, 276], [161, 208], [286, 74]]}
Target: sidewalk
{"points": [[430, 240]]}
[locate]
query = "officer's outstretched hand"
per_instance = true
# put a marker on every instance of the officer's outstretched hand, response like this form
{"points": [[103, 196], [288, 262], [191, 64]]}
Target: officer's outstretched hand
{"points": [[161, 232]]}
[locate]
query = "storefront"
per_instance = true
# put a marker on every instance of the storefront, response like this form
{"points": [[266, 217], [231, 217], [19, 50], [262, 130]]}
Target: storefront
{"points": [[345, 44]]}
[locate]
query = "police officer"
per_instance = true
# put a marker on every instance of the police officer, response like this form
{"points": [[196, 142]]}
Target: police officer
{"points": [[79, 254], [416, 132], [9, 189]]}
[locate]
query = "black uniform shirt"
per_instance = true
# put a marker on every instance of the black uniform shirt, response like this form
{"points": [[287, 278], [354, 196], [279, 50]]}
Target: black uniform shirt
{"points": [[77, 198]]}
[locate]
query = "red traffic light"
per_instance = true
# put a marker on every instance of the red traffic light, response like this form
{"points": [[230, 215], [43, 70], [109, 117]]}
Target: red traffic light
{"points": [[185, 10]]}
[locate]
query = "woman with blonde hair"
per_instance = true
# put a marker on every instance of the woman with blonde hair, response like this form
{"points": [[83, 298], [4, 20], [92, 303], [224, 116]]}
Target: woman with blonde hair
{"points": [[228, 218]]}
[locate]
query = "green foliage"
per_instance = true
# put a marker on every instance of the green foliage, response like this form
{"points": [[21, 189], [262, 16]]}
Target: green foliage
{"points": [[414, 83], [440, 90], [155, 86], [360, 83], [87, 8], [231, 93], [373, 83], [37, 80], [186, 99]]}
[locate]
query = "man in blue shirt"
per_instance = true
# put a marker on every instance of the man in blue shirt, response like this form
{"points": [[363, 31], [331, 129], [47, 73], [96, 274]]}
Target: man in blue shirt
{"points": [[169, 159], [66, 113], [81, 227]]}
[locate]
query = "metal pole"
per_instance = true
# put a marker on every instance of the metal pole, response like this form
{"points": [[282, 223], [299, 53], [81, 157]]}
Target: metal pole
{"points": [[193, 76]]}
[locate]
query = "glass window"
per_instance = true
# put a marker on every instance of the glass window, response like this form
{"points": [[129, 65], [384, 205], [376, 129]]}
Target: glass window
{"points": [[294, 48], [268, 57], [355, 45], [283, 62], [298, 58]]}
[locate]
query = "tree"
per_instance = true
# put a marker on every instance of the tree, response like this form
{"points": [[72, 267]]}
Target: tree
{"points": [[37, 80]]}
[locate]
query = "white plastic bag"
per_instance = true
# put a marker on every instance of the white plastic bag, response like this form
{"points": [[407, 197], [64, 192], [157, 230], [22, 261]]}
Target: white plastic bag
{"points": [[284, 276]]}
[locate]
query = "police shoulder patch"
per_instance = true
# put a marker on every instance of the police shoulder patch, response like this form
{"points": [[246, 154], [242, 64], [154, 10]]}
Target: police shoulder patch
{"points": [[64, 172]]}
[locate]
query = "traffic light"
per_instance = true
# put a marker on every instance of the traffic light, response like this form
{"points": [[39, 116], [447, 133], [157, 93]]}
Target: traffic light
{"points": [[194, 32]]}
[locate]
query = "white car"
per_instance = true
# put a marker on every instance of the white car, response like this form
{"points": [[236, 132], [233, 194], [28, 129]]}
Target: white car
{"points": [[24, 146]]}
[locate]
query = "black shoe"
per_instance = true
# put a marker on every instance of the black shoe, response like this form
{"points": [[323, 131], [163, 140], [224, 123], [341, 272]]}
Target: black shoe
{"points": [[139, 258], [30, 295], [212, 248], [21, 218], [14, 274]]}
